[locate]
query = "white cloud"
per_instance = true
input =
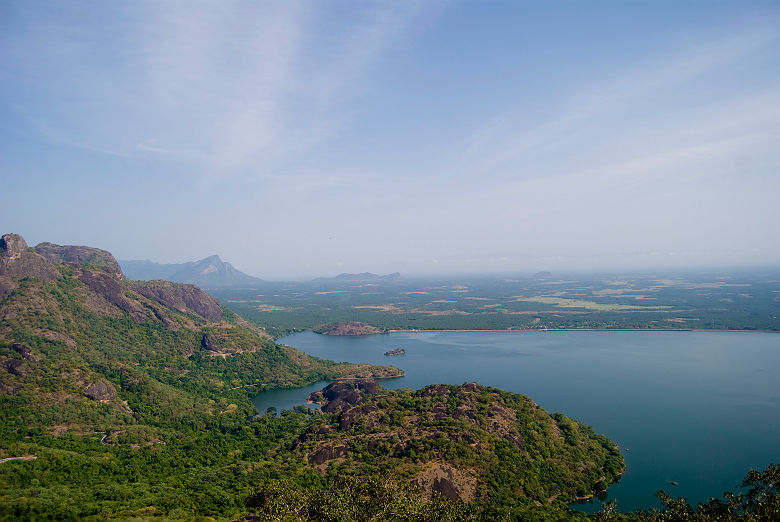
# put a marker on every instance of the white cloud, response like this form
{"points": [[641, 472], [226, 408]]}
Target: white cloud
{"points": [[590, 113]]}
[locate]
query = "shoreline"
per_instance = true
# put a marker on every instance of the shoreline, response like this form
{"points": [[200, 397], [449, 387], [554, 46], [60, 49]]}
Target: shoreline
{"points": [[584, 330], [525, 330]]}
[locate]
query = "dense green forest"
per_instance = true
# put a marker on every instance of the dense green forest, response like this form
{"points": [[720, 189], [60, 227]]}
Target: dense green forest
{"points": [[134, 398]]}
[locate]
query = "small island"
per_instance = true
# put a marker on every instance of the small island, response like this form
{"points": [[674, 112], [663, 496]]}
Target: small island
{"points": [[346, 328], [395, 351]]}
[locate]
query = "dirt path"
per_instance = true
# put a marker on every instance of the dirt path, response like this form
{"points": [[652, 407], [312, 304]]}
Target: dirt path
{"points": [[26, 457]]}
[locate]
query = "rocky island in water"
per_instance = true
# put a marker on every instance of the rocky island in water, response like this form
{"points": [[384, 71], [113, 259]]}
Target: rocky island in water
{"points": [[347, 328]]}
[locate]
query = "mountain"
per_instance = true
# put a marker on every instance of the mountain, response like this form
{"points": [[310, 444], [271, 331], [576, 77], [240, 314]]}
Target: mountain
{"points": [[210, 272]]}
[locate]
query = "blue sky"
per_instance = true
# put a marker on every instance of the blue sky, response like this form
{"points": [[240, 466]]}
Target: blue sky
{"points": [[312, 138]]}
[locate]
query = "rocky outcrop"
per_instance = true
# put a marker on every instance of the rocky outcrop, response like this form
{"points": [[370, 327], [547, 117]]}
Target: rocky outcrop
{"points": [[25, 352], [106, 286], [83, 256], [326, 453], [16, 367], [349, 417], [101, 390], [436, 390], [347, 328], [183, 298], [18, 260], [341, 395], [210, 343], [448, 480], [502, 422]]}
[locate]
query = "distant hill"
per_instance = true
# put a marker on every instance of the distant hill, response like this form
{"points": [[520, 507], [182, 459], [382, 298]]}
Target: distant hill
{"points": [[363, 277], [209, 272]]}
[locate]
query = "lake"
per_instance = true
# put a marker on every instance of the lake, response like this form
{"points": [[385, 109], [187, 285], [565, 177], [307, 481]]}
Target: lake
{"points": [[696, 408]]}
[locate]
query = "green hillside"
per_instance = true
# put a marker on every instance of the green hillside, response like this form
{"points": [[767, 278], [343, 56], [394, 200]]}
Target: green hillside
{"points": [[133, 396]]}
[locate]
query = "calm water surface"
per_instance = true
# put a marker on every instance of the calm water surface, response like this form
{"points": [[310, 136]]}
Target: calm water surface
{"points": [[697, 408]]}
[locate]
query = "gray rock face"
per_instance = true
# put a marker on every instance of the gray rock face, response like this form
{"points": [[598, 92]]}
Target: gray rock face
{"points": [[17, 260], [84, 256], [182, 298], [13, 244], [106, 286], [209, 342], [101, 390], [341, 395], [326, 453]]}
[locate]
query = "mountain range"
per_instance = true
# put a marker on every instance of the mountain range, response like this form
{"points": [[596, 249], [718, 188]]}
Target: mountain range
{"points": [[209, 272]]}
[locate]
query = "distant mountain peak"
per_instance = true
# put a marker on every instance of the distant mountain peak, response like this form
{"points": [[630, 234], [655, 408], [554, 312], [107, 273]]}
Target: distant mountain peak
{"points": [[208, 272]]}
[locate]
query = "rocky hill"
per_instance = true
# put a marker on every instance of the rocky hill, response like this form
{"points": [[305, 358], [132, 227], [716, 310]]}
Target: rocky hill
{"points": [[466, 442], [210, 272], [346, 328]]}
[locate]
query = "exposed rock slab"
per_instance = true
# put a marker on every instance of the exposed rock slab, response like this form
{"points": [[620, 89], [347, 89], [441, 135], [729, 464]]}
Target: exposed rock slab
{"points": [[18, 260], [101, 390], [182, 298], [83, 256]]}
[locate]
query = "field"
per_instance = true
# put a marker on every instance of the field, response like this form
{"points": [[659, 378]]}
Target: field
{"points": [[734, 300]]}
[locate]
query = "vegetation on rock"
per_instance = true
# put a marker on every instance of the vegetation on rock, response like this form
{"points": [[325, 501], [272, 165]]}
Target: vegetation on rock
{"points": [[346, 328], [469, 443], [129, 411]]}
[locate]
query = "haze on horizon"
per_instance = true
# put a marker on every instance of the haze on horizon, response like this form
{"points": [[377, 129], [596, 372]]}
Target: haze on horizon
{"points": [[301, 139]]}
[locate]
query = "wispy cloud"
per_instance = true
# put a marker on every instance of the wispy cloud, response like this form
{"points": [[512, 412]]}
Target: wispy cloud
{"points": [[507, 139], [230, 89]]}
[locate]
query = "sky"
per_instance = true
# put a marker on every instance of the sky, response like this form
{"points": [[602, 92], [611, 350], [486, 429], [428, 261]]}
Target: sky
{"points": [[300, 139]]}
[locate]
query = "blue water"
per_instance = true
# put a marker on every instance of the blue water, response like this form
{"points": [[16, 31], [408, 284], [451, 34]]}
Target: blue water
{"points": [[698, 408]]}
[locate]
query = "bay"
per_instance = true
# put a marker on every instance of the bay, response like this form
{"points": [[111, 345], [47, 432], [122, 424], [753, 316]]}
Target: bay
{"points": [[696, 408]]}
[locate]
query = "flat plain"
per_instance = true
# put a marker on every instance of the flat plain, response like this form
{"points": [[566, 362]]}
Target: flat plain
{"points": [[691, 300]]}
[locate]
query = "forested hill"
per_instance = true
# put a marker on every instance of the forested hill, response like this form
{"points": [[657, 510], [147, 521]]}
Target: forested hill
{"points": [[91, 362]]}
